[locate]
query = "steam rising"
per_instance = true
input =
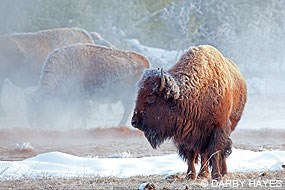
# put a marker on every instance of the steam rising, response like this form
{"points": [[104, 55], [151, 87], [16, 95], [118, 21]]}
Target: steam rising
{"points": [[250, 32]]}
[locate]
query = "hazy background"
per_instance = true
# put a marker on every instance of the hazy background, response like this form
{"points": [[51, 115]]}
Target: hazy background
{"points": [[250, 32]]}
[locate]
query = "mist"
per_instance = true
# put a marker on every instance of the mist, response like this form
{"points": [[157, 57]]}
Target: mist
{"points": [[250, 32]]}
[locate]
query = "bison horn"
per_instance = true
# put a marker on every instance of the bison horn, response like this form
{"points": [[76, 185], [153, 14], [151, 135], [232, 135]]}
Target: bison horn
{"points": [[162, 80]]}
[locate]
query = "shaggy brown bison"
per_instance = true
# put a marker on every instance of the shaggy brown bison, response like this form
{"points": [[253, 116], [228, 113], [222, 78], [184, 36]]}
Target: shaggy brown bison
{"points": [[76, 75], [22, 54], [197, 103]]}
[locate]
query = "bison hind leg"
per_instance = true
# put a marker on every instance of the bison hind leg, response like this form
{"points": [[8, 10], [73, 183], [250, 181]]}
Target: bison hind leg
{"points": [[225, 154], [204, 170], [219, 147]]}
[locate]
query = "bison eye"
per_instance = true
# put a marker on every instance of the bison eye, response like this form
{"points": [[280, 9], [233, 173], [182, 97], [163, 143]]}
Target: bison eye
{"points": [[150, 99]]}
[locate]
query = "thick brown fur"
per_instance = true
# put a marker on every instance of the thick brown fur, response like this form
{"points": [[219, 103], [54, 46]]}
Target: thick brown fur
{"points": [[199, 106]]}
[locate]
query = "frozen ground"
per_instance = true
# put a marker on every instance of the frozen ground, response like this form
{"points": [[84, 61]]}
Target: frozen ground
{"points": [[121, 152], [58, 164]]}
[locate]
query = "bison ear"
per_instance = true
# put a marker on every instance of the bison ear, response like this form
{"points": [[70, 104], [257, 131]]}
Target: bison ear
{"points": [[168, 86]]}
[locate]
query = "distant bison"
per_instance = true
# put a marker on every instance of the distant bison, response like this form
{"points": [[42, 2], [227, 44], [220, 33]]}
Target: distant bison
{"points": [[198, 103], [22, 55], [80, 73]]}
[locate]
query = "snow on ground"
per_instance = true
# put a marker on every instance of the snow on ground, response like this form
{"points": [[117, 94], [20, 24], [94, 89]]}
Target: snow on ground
{"points": [[58, 164]]}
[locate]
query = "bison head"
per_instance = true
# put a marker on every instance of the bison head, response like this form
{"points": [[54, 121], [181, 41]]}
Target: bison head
{"points": [[156, 106]]}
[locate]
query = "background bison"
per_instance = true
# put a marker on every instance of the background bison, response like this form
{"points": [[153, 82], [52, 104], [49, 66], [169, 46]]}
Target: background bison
{"points": [[22, 54], [197, 103], [80, 73]]}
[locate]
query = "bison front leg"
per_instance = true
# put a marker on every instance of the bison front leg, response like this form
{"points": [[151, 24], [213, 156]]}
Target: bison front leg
{"points": [[190, 156]]}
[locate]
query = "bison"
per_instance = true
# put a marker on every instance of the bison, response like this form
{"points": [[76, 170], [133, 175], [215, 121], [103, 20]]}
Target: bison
{"points": [[22, 54], [197, 103], [80, 73]]}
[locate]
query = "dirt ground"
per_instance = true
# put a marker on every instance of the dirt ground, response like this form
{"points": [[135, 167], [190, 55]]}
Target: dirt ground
{"points": [[252, 181], [19, 143]]}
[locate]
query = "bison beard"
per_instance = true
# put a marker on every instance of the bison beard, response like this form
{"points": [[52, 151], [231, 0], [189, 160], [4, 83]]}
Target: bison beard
{"points": [[198, 103], [153, 138]]}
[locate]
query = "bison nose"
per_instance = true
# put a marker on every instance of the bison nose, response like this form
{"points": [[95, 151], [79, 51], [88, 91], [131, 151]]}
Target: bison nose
{"points": [[134, 122]]}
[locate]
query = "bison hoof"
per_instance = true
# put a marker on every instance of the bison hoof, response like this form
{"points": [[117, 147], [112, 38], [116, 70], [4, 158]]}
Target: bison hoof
{"points": [[224, 173], [217, 176], [191, 176], [202, 175]]}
